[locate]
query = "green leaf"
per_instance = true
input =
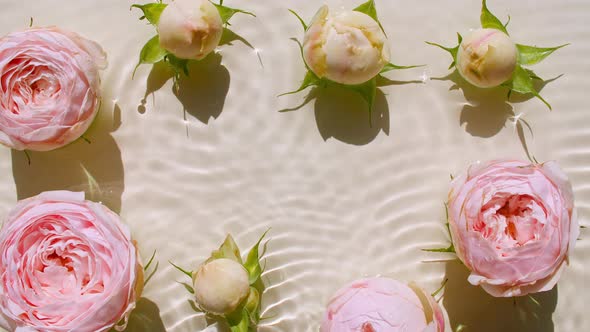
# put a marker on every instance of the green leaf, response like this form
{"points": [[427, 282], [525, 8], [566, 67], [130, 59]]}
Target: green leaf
{"points": [[489, 20], [187, 273], [310, 80], [450, 249], [442, 286], [530, 55], [369, 9], [178, 65], [253, 261], [151, 11], [195, 306], [151, 53], [241, 324], [149, 277], [453, 51], [522, 82], [188, 287], [147, 266], [300, 19], [228, 249], [390, 66], [227, 13]]}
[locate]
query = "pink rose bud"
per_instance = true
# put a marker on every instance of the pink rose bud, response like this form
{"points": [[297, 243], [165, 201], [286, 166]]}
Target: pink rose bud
{"points": [[487, 58], [382, 305], [221, 285], [347, 48], [190, 29], [66, 264], [50, 87], [513, 225]]}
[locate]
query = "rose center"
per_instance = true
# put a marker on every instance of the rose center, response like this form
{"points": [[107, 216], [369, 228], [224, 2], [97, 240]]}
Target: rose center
{"points": [[58, 260], [367, 327], [511, 220], [26, 84]]}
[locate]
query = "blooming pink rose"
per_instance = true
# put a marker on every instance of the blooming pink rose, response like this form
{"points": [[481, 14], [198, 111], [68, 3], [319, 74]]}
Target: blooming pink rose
{"points": [[513, 225], [382, 305], [49, 87], [66, 264]]}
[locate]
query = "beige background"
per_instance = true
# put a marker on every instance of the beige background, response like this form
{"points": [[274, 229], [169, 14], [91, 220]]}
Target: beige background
{"points": [[344, 200]]}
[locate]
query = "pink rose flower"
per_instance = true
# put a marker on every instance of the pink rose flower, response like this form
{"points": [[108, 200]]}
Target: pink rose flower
{"points": [[382, 305], [49, 87], [513, 225], [66, 264]]}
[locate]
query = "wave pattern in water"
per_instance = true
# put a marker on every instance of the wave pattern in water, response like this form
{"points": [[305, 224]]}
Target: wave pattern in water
{"points": [[344, 200]]}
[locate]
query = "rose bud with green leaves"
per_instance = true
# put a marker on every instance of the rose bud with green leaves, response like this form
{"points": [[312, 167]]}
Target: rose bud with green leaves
{"points": [[187, 30], [488, 57], [227, 288], [348, 48]]}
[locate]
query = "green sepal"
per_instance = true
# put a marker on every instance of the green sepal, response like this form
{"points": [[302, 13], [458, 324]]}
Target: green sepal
{"points": [[367, 90], [151, 11], [300, 19], [309, 80], [370, 9], [239, 323], [451, 247], [253, 306], [147, 267], [150, 261], [253, 261], [522, 82], [227, 13], [185, 272], [228, 249], [178, 65], [453, 51], [440, 289], [530, 55], [151, 53], [390, 66], [188, 287], [489, 20]]}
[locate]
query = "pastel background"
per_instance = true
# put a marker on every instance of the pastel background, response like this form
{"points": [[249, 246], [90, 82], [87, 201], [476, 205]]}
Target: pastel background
{"points": [[344, 200]]}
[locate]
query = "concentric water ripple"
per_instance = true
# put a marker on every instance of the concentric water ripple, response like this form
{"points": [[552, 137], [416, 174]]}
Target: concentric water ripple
{"points": [[343, 199]]}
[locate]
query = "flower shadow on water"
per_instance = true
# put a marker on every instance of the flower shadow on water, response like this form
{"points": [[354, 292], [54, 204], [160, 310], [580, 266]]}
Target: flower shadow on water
{"points": [[488, 110], [93, 166], [478, 311], [145, 318], [202, 94], [343, 114]]}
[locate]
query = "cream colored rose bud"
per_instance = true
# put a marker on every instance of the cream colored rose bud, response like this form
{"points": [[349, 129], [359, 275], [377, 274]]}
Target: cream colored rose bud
{"points": [[190, 29], [487, 58], [348, 48], [221, 285]]}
